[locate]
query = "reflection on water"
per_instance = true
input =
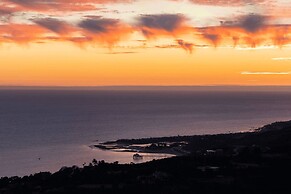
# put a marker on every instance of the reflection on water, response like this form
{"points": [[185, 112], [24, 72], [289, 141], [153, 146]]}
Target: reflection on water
{"points": [[40, 161]]}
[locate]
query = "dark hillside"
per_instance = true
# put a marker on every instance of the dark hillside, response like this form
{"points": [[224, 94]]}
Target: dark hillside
{"points": [[255, 162]]}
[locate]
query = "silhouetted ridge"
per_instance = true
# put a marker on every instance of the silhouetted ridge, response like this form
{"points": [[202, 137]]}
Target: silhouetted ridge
{"points": [[276, 126]]}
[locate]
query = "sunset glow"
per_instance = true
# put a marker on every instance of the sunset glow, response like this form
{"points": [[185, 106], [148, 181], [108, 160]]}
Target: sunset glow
{"points": [[140, 42]]}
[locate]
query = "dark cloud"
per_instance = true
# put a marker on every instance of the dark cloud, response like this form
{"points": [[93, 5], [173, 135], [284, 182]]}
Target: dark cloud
{"points": [[252, 22], [52, 24], [153, 26], [250, 34], [99, 25], [167, 22]]}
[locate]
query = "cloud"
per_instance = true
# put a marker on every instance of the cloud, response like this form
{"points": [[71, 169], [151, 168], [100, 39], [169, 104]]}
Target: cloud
{"points": [[162, 24], [54, 25], [282, 59], [5, 15], [4, 11], [33, 4], [187, 46], [88, 31], [167, 46], [250, 29], [121, 53], [88, 5], [252, 23], [57, 20], [213, 38], [20, 33], [228, 2], [61, 5], [100, 25], [167, 22], [264, 73], [105, 30]]}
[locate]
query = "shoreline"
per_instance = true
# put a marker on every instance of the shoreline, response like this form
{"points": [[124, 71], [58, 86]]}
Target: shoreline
{"points": [[178, 145], [253, 162]]}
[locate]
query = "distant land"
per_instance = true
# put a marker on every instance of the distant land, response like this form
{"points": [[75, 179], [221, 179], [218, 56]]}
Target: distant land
{"points": [[252, 162]]}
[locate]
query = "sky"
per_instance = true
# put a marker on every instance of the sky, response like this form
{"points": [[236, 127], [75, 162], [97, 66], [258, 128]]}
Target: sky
{"points": [[144, 42]]}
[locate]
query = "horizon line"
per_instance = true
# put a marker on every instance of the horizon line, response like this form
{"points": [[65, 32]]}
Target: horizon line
{"points": [[134, 86]]}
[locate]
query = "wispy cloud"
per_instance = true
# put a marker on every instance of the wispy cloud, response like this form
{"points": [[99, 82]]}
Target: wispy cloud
{"points": [[187, 46], [264, 73], [282, 59], [121, 53]]}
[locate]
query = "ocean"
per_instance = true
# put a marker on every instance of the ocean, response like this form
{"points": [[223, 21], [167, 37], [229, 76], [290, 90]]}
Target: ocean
{"points": [[46, 129]]}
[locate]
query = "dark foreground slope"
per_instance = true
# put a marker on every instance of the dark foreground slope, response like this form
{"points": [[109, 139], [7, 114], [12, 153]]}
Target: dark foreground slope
{"points": [[257, 162]]}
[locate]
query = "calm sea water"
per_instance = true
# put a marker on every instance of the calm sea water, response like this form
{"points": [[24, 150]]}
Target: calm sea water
{"points": [[43, 130]]}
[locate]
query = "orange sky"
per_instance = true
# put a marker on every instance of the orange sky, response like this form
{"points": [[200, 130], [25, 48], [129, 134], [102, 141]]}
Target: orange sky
{"points": [[63, 64], [90, 47]]}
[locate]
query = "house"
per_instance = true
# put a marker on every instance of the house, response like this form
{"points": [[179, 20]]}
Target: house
{"points": [[137, 156]]}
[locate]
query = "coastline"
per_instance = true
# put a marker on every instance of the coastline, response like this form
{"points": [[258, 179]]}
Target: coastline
{"points": [[184, 145], [154, 145], [251, 162]]}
